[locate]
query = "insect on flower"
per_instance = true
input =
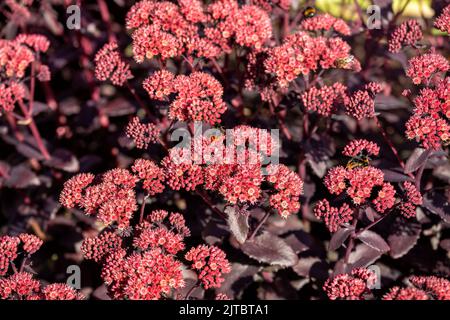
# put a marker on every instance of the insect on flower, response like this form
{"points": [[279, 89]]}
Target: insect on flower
{"points": [[309, 12]]}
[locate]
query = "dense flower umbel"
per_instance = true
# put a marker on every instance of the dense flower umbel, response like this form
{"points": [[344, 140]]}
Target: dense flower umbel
{"points": [[407, 34], [151, 175], [72, 192], [96, 248], [16, 55], [430, 122], [359, 147], [159, 85], [21, 285], [324, 100], [350, 286], [358, 182], [210, 263], [182, 175], [423, 68], [30, 243], [142, 134], [10, 94], [8, 252], [112, 199], [443, 21], [269, 5], [243, 184], [199, 98], [325, 22], [397, 293], [109, 65], [301, 54], [332, 216], [438, 288], [361, 104], [142, 276], [61, 291], [288, 186], [252, 27]]}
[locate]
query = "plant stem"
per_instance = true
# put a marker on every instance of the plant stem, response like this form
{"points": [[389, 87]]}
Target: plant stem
{"points": [[391, 145], [141, 214], [260, 224], [34, 131], [419, 174], [195, 286], [351, 242]]}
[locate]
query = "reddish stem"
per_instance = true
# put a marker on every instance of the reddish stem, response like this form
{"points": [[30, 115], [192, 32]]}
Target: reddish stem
{"points": [[391, 145], [34, 131]]}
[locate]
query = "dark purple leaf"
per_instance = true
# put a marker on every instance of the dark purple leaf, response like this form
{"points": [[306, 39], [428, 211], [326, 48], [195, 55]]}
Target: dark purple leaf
{"points": [[373, 240], [240, 277], [311, 267], [403, 238], [395, 176], [437, 204], [22, 177], [339, 238], [270, 249], [64, 160], [238, 223], [118, 107], [363, 256], [416, 160]]}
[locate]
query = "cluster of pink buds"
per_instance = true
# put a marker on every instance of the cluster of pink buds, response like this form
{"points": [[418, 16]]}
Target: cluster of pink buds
{"points": [[430, 123], [407, 34], [443, 21], [109, 65], [20, 284], [352, 286]]}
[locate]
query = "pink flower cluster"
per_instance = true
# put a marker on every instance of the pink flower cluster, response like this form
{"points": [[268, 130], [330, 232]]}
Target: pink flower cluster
{"points": [[324, 100], [151, 271], [288, 186], [151, 175], [430, 123], [21, 285], [210, 263], [397, 293], [423, 68], [252, 27], [149, 275], [198, 96], [361, 104], [301, 54], [109, 65], [325, 22], [407, 34], [358, 182], [439, 288], [167, 30], [425, 288], [142, 134], [153, 233], [412, 199], [269, 5], [363, 184], [113, 199], [443, 21], [332, 216], [351, 286], [159, 85], [361, 146], [10, 94], [16, 55], [10, 246]]}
